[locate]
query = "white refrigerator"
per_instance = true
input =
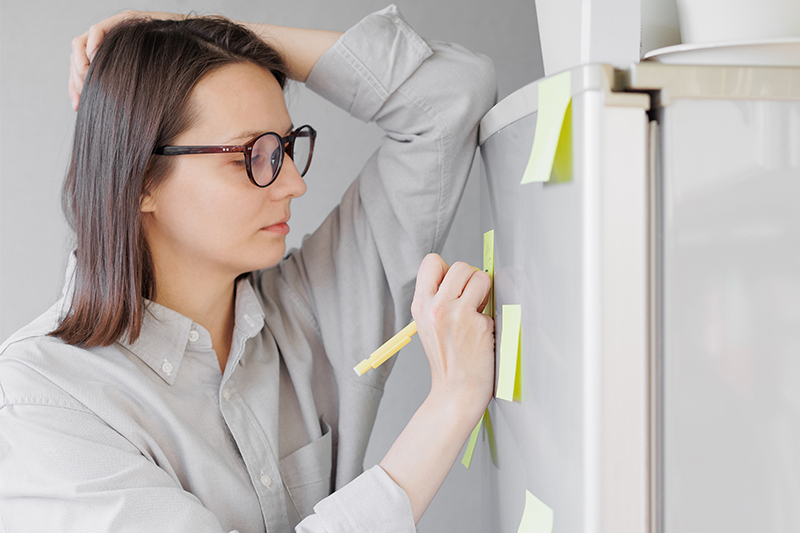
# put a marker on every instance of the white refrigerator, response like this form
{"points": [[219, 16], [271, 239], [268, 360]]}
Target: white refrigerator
{"points": [[660, 297]]}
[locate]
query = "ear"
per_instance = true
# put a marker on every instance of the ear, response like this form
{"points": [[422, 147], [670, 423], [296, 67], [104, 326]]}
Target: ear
{"points": [[147, 203]]}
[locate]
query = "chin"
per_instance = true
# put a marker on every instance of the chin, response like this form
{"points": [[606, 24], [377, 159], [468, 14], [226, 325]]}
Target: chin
{"points": [[274, 257]]}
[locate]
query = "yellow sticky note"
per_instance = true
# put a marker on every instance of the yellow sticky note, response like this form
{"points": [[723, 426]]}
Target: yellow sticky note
{"points": [[473, 439], [488, 267], [555, 96], [537, 517], [518, 374], [510, 339], [562, 163], [487, 423]]}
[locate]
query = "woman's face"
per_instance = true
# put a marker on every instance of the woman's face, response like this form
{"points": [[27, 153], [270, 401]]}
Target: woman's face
{"points": [[207, 213]]}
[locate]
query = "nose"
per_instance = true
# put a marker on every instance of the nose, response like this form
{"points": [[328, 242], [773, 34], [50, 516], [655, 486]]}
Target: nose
{"points": [[289, 183]]}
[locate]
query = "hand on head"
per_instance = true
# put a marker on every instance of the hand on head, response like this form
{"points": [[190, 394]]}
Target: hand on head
{"points": [[85, 45]]}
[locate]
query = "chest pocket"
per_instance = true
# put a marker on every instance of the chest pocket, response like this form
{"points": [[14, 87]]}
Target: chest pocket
{"points": [[306, 473]]}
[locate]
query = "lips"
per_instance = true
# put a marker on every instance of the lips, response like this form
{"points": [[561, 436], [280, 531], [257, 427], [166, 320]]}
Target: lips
{"points": [[281, 227]]}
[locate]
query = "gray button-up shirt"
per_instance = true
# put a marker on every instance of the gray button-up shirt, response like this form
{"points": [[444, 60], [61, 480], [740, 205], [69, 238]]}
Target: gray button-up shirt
{"points": [[150, 436]]}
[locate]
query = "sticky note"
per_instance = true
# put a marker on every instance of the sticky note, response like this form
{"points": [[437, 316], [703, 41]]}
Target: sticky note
{"points": [[510, 354], [562, 164], [537, 517], [487, 423], [555, 97], [473, 439], [488, 267]]}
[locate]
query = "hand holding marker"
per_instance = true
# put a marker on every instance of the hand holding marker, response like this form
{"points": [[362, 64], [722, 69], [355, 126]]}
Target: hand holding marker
{"points": [[392, 346]]}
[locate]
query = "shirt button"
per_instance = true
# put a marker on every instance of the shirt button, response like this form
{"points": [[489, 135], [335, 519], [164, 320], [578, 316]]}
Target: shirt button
{"points": [[167, 367], [265, 480], [194, 335], [226, 394]]}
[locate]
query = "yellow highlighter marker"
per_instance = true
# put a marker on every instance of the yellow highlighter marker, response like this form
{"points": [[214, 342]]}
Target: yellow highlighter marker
{"points": [[388, 349]]}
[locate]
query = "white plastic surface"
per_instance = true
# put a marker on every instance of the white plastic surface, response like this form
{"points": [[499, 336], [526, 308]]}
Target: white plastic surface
{"points": [[731, 337], [767, 52], [704, 21], [554, 258], [582, 32]]}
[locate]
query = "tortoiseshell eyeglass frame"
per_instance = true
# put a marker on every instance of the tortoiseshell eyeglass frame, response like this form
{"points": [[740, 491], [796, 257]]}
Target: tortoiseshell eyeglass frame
{"points": [[286, 147]]}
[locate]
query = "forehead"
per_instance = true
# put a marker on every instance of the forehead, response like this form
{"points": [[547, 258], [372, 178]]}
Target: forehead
{"points": [[237, 99]]}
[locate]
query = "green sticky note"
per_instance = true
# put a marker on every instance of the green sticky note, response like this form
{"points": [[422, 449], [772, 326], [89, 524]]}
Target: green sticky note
{"points": [[487, 423], [537, 517], [473, 439], [562, 164], [555, 95], [518, 373], [488, 267], [510, 339]]}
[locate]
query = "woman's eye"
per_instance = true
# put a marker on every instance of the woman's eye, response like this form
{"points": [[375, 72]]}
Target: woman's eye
{"points": [[239, 162]]}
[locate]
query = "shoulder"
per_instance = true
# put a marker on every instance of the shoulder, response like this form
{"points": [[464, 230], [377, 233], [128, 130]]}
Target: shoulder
{"points": [[30, 358], [39, 328]]}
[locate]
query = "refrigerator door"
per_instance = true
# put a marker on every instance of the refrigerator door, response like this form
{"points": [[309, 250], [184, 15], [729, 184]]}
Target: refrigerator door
{"points": [[574, 256], [729, 305]]}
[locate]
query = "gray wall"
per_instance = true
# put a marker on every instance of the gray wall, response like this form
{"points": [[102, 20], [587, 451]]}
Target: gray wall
{"points": [[36, 125]]}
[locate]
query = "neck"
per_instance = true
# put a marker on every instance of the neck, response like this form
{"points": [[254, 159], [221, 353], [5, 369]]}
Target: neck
{"points": [[205, 298]]}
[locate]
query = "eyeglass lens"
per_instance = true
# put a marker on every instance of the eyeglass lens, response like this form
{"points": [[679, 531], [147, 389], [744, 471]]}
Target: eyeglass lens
{"points": [[267, 155], [265, 159], [301, 151]]}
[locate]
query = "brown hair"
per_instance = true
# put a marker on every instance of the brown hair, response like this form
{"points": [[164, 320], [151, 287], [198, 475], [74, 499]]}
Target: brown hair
{"points": [[136, 97]]}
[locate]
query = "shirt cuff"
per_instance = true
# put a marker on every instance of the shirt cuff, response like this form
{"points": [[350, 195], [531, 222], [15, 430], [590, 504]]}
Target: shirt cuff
{"points": [[371, 502], [368, 63]]}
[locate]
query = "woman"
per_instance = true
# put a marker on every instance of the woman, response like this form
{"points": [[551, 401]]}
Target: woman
{"points": [[192, 378]]}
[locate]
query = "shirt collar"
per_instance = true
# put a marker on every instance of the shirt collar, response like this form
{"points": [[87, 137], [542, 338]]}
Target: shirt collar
{"points": [[249, 318], [165, 333], [162, 340]]}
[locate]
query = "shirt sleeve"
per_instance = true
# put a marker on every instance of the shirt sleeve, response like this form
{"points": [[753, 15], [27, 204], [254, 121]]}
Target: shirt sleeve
{"points": [[64, 469], [371, 502], [357, 271]]}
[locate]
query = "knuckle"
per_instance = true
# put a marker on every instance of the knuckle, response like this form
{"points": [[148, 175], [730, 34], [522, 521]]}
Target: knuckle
{"points": [[436, 313], [430, 259], [461, 265], [483, 277]]}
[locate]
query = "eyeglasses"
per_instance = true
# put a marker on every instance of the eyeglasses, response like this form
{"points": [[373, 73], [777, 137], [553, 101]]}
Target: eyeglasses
{"points": [[263, 156]]}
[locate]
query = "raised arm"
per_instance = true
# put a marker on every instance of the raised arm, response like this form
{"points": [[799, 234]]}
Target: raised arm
{"points": [[301, 47]]}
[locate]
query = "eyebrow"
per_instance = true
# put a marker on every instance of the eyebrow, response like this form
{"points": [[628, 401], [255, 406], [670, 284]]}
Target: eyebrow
{"points": [[246, 136]]}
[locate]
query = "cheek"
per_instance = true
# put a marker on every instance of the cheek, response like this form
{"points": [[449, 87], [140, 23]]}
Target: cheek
{"points": [[206, 208]]}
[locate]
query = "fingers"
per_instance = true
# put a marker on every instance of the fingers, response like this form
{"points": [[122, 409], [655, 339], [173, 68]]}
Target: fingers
{"points": [[79, 66], [431, 272], [485, 300], [84, 48], [96, 34], [455, 280], [476, 291], [460, 281]]}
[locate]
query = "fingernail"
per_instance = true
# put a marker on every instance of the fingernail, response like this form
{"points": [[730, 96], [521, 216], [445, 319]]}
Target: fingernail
{"points": [[74, 103]]}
